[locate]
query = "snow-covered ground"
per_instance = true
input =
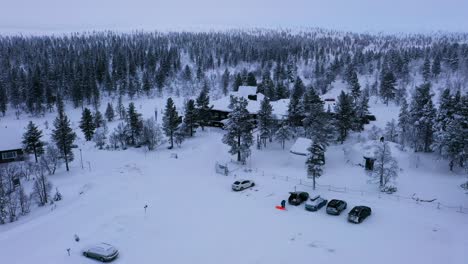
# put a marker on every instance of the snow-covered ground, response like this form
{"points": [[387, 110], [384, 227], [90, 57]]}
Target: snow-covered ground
{"points": [[194, 217]]}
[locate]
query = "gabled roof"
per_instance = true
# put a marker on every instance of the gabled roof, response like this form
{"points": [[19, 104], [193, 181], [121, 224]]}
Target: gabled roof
{"points": [[300, 146]]}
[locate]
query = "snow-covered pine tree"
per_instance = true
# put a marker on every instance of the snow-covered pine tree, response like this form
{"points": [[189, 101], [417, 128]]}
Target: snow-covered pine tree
{"points": [[283, 133], [251, 80], [237, 82], [295, 107], [190, 117], [345, 116], [317, 123], [225, 81], [180, 134], [265, 120], [100, 136], [99, 120], [170, 121], [87, 124], [353, 83], [32, 142], [134, 123], [451, 135], [422, 115], [362, 111], [426, 69], [387, 87], [203, 108], [385, 166], [391, 129], [281, 91], [315, 161], [3, 99], [436, 69], [239, 129], [63, 136], [110, 112], [121, 109], [404, 125]]}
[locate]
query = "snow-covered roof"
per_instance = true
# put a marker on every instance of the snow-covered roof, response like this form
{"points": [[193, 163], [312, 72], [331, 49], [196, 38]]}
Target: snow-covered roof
{"points": [[280, 107], [247, 90], [300, 146], [10, 138]]}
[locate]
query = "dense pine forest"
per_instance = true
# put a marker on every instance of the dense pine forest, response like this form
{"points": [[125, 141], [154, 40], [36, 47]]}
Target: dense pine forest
{"points": [[84, 67], [36, 73]]}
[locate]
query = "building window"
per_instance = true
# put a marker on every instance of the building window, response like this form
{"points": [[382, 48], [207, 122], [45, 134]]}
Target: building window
{"points": [[9, 155]]}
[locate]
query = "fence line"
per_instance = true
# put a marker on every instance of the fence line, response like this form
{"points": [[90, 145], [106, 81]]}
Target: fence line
{"points": [[331, 188]]}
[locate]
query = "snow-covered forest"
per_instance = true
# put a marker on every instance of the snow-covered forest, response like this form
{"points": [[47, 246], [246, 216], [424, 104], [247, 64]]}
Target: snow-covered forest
{"points": [[138, 119]]}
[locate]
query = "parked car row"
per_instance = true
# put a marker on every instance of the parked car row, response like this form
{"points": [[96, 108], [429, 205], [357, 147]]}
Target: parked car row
{"points": [[334, 206]]}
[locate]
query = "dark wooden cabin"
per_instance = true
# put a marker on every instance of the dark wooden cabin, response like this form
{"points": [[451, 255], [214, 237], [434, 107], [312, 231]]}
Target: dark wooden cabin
{"points": [[11, 155]]}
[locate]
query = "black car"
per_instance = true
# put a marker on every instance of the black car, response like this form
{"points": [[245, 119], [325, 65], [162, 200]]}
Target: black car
{"points": [[358, 214], [335, 207], [296, 198]]}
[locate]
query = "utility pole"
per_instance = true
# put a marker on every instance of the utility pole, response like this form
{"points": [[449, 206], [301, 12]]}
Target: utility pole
{"points": [[81, 159]]}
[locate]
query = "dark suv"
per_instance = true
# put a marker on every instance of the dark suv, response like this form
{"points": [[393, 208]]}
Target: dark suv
{"points": [[296, 198], [358, 214], [335, 207]]}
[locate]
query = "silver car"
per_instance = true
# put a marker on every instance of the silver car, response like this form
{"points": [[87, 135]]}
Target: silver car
{"points": [[102, 252]]}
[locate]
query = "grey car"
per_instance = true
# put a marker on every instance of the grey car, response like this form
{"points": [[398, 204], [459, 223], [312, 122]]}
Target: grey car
{"points": [[102, 252]]}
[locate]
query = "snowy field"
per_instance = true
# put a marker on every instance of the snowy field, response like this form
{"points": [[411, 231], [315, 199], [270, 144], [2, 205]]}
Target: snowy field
{"points": [[194, 217]]}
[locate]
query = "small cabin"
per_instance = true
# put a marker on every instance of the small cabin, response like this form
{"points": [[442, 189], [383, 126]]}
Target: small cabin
{"points": [[11, 155]]}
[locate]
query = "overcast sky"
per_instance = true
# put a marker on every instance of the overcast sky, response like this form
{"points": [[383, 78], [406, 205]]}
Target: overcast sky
{"points": [[352, 15]]}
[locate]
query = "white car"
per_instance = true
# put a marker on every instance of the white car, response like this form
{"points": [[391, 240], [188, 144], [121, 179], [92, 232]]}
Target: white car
{"points": [[240, 185], [102, 252]]}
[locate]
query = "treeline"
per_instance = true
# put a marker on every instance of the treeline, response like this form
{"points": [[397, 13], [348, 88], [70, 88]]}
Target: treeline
{"points": [[82, 68]]}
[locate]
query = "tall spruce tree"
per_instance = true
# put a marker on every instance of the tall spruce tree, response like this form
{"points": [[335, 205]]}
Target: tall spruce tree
{"points": [[426, 69], [99, 120], [265, 120], [404, 125], [362, 112], [32, 142], [387, 87], [436, 69], [315, 161], [170, 121], [237, 82], [203, 108], [345, 116], [135, 124], [239, 129], [190, 117], [283, 134], [63, 137], [422, 113], [251, 80], [354, 85], [451, 133], [87, 124], [225, 81], [316, 121], [110, 112]]}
